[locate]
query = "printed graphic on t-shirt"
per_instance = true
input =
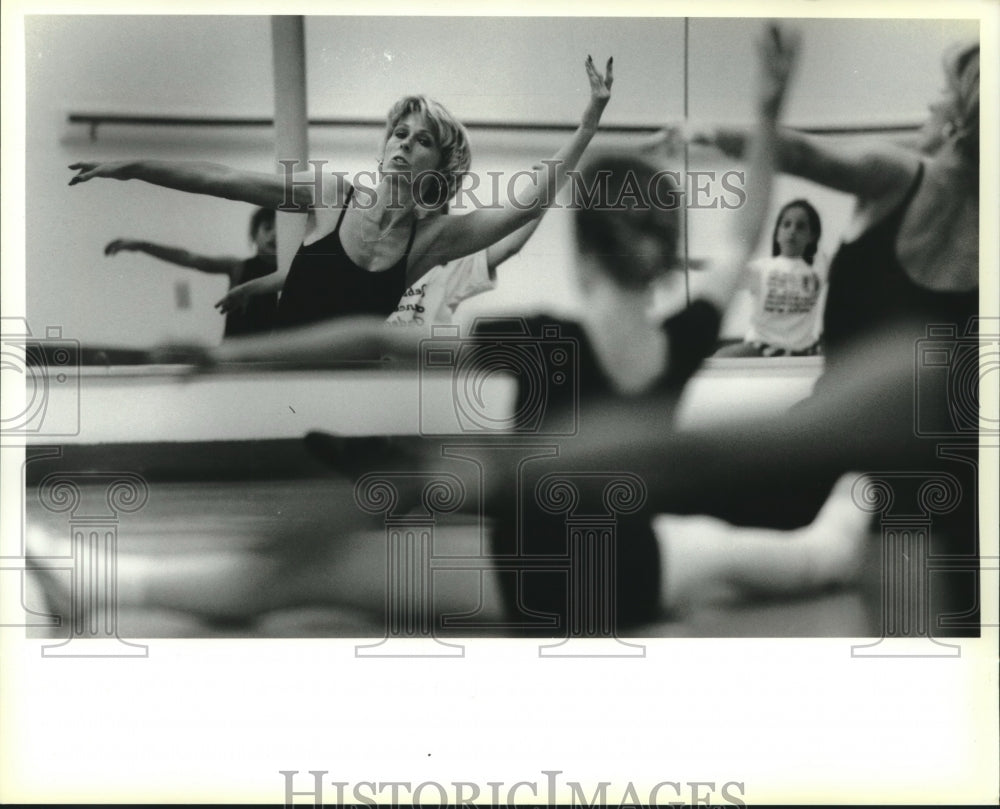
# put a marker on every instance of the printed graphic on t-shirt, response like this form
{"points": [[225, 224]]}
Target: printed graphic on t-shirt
{"points": [[411, 307], [791, 293], [433, 299], [788, 297]]}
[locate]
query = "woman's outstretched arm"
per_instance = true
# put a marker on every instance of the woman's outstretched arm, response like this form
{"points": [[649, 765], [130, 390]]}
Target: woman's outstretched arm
{"points": [[452, 237], [212, 179]]}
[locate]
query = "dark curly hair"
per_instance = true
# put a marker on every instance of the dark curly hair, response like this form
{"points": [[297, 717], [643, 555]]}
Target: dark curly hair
{"points": [[814, 224], [260, 217]]}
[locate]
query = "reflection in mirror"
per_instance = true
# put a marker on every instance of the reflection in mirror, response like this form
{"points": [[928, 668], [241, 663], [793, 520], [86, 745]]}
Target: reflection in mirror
{"points": [[174, 110], [894, 70], [219, 113]]}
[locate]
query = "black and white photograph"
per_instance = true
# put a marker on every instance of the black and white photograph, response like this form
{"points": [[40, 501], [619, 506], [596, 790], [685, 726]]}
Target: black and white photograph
{"points": [[576, 404]]}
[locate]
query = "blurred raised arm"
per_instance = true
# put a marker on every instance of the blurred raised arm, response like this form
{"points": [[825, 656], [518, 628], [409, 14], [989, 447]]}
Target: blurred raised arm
{"points": [[777, 55]]}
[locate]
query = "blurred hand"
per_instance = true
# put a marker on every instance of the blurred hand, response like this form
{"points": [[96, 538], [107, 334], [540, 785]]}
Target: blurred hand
{"points": [[777, 52], [235, 299], [117, 245], [115, 170]]}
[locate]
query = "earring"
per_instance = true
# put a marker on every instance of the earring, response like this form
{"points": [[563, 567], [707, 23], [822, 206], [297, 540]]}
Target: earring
{"points": [[949, 129]]}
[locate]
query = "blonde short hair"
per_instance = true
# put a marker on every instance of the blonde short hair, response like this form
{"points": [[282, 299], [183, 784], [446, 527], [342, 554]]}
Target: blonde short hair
{"points": [[961, 68], [451, 137]]}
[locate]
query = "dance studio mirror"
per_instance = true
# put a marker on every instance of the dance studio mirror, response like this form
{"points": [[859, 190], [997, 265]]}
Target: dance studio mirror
{"points": [[202, 88]]}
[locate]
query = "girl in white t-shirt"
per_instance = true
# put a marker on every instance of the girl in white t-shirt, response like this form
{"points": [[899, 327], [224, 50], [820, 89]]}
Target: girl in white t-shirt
{"points": [[433, 299], [787, 289]]}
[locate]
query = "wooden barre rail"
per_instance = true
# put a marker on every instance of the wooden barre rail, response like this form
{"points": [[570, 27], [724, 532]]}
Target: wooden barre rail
{"points": [[96, 120]]}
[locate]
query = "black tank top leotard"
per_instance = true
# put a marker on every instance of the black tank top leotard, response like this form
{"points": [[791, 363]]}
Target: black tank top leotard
{"points": [[870, 293], [323, 282], [260, 310], [869, 289], [533, 530]]}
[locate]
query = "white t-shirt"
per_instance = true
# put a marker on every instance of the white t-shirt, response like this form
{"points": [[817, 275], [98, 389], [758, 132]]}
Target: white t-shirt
{"points": [[787, 301], [434, 298]]}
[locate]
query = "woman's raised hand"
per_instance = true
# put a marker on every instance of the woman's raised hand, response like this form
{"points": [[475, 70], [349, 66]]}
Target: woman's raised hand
{"points": [[88, 171], [600, 91]]}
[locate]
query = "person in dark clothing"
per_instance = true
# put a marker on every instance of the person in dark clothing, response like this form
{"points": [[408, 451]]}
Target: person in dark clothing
{"points": [[366, 244], [255, 315]]}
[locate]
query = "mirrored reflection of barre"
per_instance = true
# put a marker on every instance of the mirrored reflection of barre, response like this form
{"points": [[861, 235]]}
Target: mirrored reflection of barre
{"points": [[94, 120]]}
